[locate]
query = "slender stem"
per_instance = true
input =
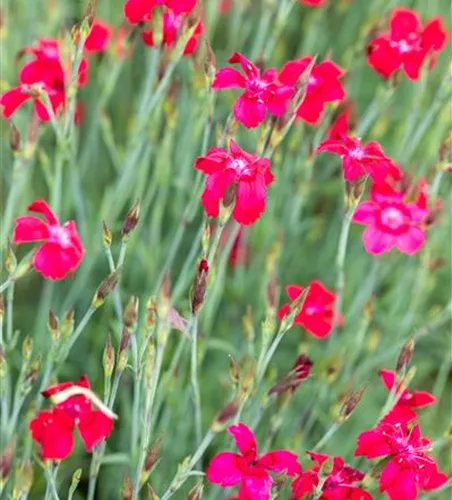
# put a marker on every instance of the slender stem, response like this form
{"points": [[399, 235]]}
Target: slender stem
{"points": [[51, 490], [5, 285], [331, 431], [78, 331], [193, 332], [9, 312]]}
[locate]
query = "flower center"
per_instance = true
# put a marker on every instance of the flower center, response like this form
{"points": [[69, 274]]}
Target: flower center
{"points": [[60, 235], [406, 45], [357, 153], [392, 217], [241, 166]]}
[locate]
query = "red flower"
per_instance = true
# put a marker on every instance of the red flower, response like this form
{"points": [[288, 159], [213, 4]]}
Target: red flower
{"points": [[342, 483], [312, 3], [341, 126], [53, 430], [62, 250], [359, 160], [99, 37], [407, 45], [391, 221], [324, 86], [137, 11], [249, 469], [404, 410], [250, 175], [410, 468], [262, 93], [171, 28], [316, 315]]}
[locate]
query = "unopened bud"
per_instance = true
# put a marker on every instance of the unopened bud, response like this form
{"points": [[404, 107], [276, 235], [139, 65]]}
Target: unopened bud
{"points": [[164, 301], [106, 288], [10, 259], [196, 492], [123, 354], [295, 308], [247, 384], [75, 482], [23, 479], [31, 374], [127, 487], [152, 495], [351, 402], [106, 235], [131, 220], [108, 358], [6, 460], [234, 370], [151, 313], [27, 349], [353, 192], [405, 356], [67, 328], [294, 378], [150, 363], [131, 313], [14, 138], [220, 422], [199, 286], [150, 461], [54, 326], [209, 63]]}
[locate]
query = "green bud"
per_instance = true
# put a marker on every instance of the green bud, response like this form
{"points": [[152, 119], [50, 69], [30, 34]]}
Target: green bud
{"points": [[105, 289], [75, 482], [53, 325], [27, 349], [108, 359]]}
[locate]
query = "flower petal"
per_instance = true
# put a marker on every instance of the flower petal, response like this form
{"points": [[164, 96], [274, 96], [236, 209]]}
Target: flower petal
{"points": [[411, 241], [11, 100], [244, 440], [94, 427], [224, 469], [365, 213], [388, 377], [42, 207], [281, 461], [55, 262], [373, 444], [227, 78], [257, 486], [420, 399], [377, 242], [250, 200], [30, 228], [249, 111], [250, 69]]}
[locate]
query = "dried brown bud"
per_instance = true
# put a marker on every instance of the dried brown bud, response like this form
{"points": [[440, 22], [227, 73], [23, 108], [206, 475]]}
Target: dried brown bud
{"points": [[151, 313], [131, 220], [225, 415], [230, 195], [108, 358], [127, 487], [353, 192], [67, 327], [196, 492], [295, 377], [151, 460], [199, 286], [209, 62], [406, 353], [234, 370], [351, 402], [131, 313], [106, 287], [106, 234], [54, 326], [14, 138], [32, 374], [123, 355]]}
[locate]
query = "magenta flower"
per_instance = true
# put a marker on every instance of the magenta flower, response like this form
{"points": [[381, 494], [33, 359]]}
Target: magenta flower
{"points": [[391, 221], [247, 468], [262, 93]]}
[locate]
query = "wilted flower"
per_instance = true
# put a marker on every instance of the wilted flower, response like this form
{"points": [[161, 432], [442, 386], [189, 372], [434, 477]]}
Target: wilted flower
{"points": [[300, 371], [62, 250]]}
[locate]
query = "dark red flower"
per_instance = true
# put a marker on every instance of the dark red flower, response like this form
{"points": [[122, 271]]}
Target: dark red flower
{"points": [[99, 37], [342, 483], [248, 174], [410, 468], [53, 430], [137, 11], [359, 160], [408, 402], [324, 86], [391, 221], [407, 45], [262, 93], [316, 315], [61, 251], [248, 468]]}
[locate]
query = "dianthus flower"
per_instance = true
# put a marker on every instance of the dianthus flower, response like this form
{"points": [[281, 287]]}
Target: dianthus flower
{"points": [[54, 429], [342, 483], [324, 85], [407, 44], [248, 468], [408, 402], [263, 92], [409, 468], [317, 313], [341, 125], [61, 251], [137, 11], [359, 160], [300, 372], [392, 221], [99, 37], [248, 174], [46, 73]]}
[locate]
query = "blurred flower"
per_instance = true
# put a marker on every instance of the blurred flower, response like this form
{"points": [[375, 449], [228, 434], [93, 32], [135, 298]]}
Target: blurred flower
{"points": [[341, 127], [248, 173], [262, 93], [340, 482], [240, 251], [316, 315], [47, 74], [172, 24], [324, 86], [249, 469], [408, 402], [391, 221], [62, 250], [224, 6], [99, 37], [137, 11], [407, 44], [359, 160], [312, 3], [409, 467], [53, 430]]}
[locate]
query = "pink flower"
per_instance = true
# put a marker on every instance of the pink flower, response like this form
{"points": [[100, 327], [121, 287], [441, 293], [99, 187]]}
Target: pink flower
{"points": [[407, 45], [359, 160], [248, 468], [409, 468], [324, 86], [391, 222], [99, 37], [53, 429], [408, 402], [316, 315], [342, 483], [246, 173], [61, 251], [262, 93]]}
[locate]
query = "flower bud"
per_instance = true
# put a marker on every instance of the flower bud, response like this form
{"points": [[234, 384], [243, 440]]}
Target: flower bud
{"points": [[127, 487], [196, 492], [405, 356], [131, 221], [294, 378], [10, 259], [6, 460], [31, 375], [75, 482], [152, 495], [248, 326], [220, 422], [106, 288], [150, 461], [67, 328], [131, 313], [247, 384], [150, 364], [353, 192], [53, 325], [206, 235], [209, 63], [199, 286], [3, 367], [234, 370], [327, 467], [106, 235], [27, 349], [108, 358], [123, 354], [151, 313], [14, 138], [350, 403], [295, 308]]}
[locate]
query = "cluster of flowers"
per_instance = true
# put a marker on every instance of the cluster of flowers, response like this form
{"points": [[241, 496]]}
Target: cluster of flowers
{"points": [[405, 467]]}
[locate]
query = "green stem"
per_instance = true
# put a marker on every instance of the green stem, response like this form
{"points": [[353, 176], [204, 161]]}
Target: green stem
{"points": [[5, 285], [193, 332], [9, 313], [51, 490], [331, 431]]}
